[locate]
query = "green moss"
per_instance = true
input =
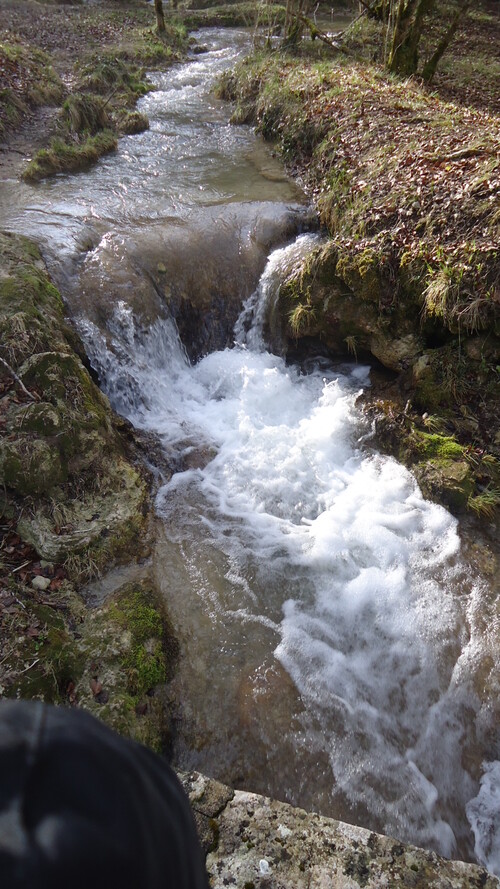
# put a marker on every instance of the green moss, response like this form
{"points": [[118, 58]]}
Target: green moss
{"points": [[432, 446], [128, 645], [145, 663], [145, 669], [361, 273], [449, 482]]}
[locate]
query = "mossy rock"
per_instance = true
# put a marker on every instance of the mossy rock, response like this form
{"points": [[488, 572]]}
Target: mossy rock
{"points": [[62, 377], [395, 353], [129, 652], [100, 523], [30, 466], [450, 482], [40, 417], [60, 448], [361, 273], [429, 446], [31, 308]]}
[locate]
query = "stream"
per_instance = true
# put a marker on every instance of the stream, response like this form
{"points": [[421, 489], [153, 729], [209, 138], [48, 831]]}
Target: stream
{"points": [[336, 648]]}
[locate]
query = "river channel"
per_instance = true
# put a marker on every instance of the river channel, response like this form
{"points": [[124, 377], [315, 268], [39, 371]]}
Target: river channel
{"points": [[336, 649]]}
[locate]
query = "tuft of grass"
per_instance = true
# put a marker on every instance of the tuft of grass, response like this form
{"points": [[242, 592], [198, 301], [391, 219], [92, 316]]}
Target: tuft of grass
{"points": [[85, 114], [485, 504], [130, 123], [301, 319], [64, 157], [351, 343]]}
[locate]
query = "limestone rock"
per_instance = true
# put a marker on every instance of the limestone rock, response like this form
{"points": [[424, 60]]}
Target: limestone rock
{"points": [[449, 482], [60, 449], [208, 798], [100, 514], [264, 843], [395, 353], [30, 466]]}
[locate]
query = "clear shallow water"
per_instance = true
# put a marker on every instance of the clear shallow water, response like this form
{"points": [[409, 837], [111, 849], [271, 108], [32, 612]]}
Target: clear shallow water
{"points": [[337, 652]]}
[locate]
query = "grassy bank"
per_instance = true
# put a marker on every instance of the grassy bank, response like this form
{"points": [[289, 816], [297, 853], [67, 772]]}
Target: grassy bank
{"points": [[406, 184]]}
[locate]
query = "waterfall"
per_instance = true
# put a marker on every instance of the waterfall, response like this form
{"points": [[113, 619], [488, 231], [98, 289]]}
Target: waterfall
{"points": [[331, 550]]}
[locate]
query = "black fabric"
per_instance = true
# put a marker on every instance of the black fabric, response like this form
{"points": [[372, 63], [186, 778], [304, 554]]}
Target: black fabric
{"points": [[83, 808]]}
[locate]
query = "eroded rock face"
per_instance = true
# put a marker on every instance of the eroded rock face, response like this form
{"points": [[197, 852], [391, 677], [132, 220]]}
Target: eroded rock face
{"points": [[198, 271], [60, 447], [349, 303], [264, 844]]}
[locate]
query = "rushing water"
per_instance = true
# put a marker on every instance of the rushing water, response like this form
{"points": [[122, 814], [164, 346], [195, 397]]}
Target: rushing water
{"points": [[336, 651]]}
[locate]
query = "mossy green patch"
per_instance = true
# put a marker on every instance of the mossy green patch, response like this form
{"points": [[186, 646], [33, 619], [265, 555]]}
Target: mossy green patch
{"points": [[427, 446], [360, 271], [129, 649]]}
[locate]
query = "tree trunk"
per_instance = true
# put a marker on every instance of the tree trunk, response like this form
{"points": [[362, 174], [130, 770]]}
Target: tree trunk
{"points": [[409, 22], [377, 9], [430, 66], [160, 19], [296, 10]]}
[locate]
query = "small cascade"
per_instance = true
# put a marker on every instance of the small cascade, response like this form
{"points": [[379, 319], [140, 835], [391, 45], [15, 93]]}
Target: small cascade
{"points": [[300, 553], [259, 310]]}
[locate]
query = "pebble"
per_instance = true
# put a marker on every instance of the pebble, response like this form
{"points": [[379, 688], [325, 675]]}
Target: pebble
{"points": [[40, 583]]}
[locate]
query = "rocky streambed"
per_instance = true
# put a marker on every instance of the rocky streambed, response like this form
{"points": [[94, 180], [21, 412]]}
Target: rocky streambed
{"points": [[302, 622]]}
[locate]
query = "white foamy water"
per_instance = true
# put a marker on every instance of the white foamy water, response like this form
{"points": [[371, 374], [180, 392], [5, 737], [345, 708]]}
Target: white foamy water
{"points": [[483, 813], [354, 579]]}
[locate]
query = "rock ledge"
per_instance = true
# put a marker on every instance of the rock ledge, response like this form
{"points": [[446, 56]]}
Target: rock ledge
{"points": [[258, 843]]}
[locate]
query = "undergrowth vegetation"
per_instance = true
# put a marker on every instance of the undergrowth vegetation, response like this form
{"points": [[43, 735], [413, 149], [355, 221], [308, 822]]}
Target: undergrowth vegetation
{"points": [[27, 80]]}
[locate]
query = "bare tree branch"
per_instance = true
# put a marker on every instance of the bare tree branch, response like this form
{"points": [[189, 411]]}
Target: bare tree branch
{"points": [[18, 380]]}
